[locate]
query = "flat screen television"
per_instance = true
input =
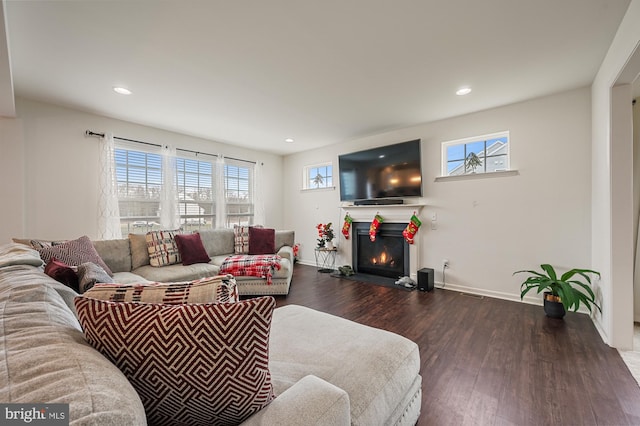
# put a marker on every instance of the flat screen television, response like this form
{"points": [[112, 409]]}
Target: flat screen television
{"points": [[387, 172]]}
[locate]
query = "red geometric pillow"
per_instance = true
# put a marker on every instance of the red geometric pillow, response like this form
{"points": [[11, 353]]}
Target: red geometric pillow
{"points": [[191, 249], [196, 364]]}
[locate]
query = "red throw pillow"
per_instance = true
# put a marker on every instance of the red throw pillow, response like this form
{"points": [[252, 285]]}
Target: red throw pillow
{"points": [[191, 249], [62, 272], [193, 364], [262, 240]]}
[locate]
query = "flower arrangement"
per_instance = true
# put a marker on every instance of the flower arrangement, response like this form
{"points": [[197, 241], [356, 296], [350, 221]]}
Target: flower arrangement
{"points": [[325, 234], [296, 250]]}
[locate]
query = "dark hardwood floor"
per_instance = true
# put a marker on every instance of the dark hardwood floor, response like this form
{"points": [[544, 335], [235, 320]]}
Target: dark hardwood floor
{"points": [[488, 361]]}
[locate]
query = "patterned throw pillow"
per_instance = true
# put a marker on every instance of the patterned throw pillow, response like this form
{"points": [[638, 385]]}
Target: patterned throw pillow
{"points": [[195, 364], [241, 239], [162, 247], [89, 274], [74, 253], [219, 289]]}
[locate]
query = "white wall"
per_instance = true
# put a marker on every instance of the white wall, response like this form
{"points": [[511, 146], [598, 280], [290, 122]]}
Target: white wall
{"points": [[612, 209], [60, 177], [487, 228], [11, 178]]}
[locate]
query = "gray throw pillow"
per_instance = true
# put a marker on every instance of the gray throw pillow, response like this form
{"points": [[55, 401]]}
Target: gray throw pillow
{"points": [[91, 273]]}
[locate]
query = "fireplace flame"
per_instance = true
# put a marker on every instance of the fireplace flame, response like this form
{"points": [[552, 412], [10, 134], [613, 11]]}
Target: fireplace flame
{"points": [[383, 259]]}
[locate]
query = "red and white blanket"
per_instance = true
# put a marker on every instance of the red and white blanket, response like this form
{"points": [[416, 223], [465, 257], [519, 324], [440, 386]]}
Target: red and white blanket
{"points": [[258, 265]]}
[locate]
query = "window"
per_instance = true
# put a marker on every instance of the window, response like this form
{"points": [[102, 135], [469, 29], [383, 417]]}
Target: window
{"points": [[195, 193], [139, 177], [318, 176], [481, 154], [140, 187], [238, 184]]}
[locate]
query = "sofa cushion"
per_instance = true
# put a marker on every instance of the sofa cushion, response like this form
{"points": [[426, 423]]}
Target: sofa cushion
{"points": [[223, 381], [62, 273], [162, 247], [37, 243], [115, 253], [179, 272], [89, 274], [74, 253], [139, 250], [217, 241], [262, 240], [377, 381], [218, 289], [44, 356], [191, 249]]}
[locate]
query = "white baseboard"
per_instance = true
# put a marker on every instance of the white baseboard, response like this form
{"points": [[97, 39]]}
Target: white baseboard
{"points": [[534, 299]]}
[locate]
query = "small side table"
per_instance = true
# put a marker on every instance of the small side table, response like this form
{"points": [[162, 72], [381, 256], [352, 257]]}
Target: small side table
{"points": [[325, 259]]}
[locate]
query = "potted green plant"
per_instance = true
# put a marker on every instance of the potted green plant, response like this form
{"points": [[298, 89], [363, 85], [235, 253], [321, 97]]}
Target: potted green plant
{"points": [[562, 293]]}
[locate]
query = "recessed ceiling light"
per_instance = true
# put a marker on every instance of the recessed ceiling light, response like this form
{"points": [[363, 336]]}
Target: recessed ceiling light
{"points": [[288, 140], [122, 90], [463, 91]]}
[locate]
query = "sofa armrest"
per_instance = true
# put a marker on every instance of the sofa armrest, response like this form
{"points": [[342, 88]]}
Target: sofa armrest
{"points": [[310, 401], [286, 252]]}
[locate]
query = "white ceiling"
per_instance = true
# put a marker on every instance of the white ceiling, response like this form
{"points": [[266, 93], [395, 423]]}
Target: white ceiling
{"points": [[256, 72]]}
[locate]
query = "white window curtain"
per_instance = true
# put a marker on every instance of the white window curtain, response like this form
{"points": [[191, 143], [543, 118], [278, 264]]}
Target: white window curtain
{"points": [[220, 196], [108, 208], [169, 213], [259, 214]]}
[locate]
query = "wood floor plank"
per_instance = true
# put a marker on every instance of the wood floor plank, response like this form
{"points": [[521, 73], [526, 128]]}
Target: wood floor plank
{"points": [[487, 361]]}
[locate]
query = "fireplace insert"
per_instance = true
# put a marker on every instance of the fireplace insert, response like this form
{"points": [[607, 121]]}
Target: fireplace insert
{"points": [[387, 256]]}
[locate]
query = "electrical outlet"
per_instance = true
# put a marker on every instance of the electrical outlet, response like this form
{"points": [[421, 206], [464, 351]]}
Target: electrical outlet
{"points": [[445, 263]]}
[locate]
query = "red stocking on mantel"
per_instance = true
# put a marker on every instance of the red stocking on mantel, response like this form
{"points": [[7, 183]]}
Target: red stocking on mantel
{"points": [[346, 226], [373, 229], [410, 231]]}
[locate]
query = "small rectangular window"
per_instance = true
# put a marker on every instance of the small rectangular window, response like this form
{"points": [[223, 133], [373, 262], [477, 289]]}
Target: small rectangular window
{"points": [[479, 154], [318, 176]]}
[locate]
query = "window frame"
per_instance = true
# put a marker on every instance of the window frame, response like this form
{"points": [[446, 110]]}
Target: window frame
{"points": [[136, 224], [245, 185], [190, 221], [444, 163], [237, 204], [306, 181]]}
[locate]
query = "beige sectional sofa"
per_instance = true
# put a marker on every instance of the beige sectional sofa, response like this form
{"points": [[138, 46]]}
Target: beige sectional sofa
{"points": [[325, 370], [128, 259]]}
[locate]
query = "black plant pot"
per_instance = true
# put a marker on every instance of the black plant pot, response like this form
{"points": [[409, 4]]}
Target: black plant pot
{"points": [[553, 309]]}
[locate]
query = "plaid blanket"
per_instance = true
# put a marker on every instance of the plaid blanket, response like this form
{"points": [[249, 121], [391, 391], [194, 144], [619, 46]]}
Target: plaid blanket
{"points": [[259, 265]]}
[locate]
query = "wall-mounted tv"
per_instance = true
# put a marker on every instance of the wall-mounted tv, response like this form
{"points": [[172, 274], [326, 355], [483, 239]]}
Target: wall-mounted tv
{"points": [[392, 171]]}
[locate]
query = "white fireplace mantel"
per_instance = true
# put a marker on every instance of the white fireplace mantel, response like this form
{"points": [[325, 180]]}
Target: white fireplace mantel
{"points": [[390, 212]]}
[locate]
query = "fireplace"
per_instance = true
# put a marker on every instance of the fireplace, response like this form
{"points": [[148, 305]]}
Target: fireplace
{"points": [[387, 256]]}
